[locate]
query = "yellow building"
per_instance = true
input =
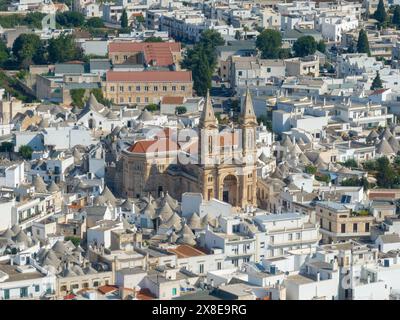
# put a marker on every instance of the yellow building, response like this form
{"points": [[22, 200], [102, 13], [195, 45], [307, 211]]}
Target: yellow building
{"points": [[223, 166], [124, 87]]}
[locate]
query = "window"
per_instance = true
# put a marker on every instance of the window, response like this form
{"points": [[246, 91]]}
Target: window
{"points": [[183, 88], [23, 292], [155, 88], [262, 245], [130, 88], [298, 236], [146, 88], [272, 239], [174, 291], [121, 89], [173, 88], [37, 288], [268, 70], [138, 99], [6, 294], [343, 228], [112, 88], [290, 237], [240, 73], [201, 268], [137, 88], [164, 88], [355, 227], [367, 227], [219, 265], [330, 226]]}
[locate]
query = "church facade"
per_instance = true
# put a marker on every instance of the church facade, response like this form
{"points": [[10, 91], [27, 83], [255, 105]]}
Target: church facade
{"points": [[219, 162]]}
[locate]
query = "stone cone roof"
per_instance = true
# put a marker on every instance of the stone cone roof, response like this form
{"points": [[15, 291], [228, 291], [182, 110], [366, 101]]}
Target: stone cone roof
{"points": [[386, 134], [194, 221], [303, 159], [99, 201], [171, 201], [384, 147], [53, 187], [108, 195], [8, 234], [174, 221], [145, 116], [165, 212], [59, 247], [16, 228], [287, 143], [89, 270], [372, 135], [127, 205], [173, 237], [21, 237], [186, 236], [150, 211], [394, 143], [39, 184]]}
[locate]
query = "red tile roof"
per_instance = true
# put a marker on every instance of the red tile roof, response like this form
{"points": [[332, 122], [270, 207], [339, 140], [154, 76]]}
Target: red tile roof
{"points": [[184, 251], [149, 76], [147, 146], [107, 289], [173, 100], [145, 294], [69, 296], [160, 52]]}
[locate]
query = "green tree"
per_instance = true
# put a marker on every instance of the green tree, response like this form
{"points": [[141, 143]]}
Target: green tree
{"points": [[34, 19], [380, 13], [70, 19], [139, 19], [4, 53], [386, 176], [266, 121], [124, 20], [6, 146], [321, 46], [75, 240], [377, 82], [180, 110], [77, 96], [238, 35], [362, 43], [63, 48], [152, 107], [95, 22], [98, 93], [202, 60], [396, 16], [269, 43], [304, 46], [153, 39], [350, 163], [24, 49], [25, 152], [310, 169]]}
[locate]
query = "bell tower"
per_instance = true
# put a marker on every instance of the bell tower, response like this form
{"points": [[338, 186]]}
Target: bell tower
{"points": [[248, 124], [208, 150]]}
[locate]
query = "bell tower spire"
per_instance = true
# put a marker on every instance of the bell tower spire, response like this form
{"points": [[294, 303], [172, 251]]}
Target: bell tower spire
{"points": [[207, 118], [248, 117]]}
